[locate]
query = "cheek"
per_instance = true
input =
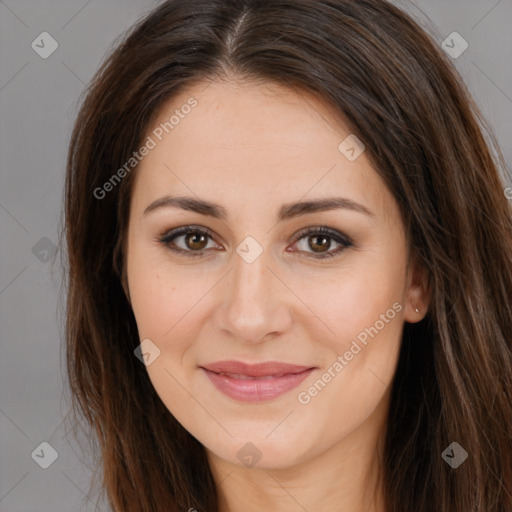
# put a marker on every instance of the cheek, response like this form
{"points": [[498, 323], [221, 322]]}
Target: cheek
{"points": [[172, 306], [352, 300], [166, 306], [161, 295], [365, 312]]}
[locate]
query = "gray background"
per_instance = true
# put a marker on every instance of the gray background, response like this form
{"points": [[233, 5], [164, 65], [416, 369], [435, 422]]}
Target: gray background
{"points": [[38, 102]]}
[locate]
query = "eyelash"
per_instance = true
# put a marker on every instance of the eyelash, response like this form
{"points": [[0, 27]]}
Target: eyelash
{"points": [[344, 241]]}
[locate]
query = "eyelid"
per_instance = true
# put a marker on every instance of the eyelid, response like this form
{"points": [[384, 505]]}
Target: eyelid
{"points": [[324, 230]]}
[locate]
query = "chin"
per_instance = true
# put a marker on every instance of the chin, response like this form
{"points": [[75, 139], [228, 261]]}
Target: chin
{"points": [[257, 450]]}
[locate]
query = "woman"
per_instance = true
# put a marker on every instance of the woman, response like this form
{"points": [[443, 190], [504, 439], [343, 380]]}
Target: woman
{"points": [[289, 266]]}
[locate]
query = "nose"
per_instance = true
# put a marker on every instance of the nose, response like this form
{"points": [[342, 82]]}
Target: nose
{"points": [[253, 302]]}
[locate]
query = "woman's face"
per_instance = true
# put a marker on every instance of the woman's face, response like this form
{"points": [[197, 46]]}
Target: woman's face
{"points": [[253, 287]]}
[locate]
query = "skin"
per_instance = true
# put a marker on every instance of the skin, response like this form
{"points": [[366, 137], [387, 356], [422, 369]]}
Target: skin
{"points": [[251, 148]]}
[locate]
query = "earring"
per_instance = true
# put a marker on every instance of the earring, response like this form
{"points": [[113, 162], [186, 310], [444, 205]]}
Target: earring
{"points": [[417, 310]]}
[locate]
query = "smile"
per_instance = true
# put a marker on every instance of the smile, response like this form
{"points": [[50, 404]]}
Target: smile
{"points": [[255, 383]]}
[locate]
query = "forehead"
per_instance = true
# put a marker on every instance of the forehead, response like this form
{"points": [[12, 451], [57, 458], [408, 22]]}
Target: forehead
{"points": [[249, 144], [243, 115]]}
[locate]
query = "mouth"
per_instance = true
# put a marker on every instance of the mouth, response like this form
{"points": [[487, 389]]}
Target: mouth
{"points": [[255, 383]]}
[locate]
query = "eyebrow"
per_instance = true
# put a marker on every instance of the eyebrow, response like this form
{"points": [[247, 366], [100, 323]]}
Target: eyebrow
{"points": [[286, 212]]}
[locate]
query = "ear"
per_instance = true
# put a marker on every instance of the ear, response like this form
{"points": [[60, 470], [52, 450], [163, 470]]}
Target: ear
{"points": [[418, 292]]}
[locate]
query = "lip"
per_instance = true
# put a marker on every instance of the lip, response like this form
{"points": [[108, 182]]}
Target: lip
{"points": [[257, 382]]}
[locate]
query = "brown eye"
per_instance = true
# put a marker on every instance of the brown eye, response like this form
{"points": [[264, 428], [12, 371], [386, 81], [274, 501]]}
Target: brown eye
{"points": [[196, 241], [319, 243], [188, 240]]}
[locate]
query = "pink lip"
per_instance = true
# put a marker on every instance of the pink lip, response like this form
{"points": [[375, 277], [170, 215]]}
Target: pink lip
{"points": [[252, 383]]}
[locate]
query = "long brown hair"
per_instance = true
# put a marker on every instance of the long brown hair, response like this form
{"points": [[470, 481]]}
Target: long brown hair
{"points": [[400, 94]]}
